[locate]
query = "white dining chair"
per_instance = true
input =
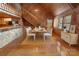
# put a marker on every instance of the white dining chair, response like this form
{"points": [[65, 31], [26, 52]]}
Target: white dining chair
{"points": [[29, 33], [47, 34]]}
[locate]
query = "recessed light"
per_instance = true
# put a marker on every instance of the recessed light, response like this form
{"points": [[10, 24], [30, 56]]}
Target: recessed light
{"points": [[36, 10]]}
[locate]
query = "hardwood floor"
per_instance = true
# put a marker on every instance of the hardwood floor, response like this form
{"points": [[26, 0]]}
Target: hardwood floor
{"points": [[65, 49], [50, 47], [39, 47]]}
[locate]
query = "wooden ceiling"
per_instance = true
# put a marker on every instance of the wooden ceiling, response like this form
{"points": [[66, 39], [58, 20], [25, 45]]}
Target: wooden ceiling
{"points": [[74, 5], [38, 13]]}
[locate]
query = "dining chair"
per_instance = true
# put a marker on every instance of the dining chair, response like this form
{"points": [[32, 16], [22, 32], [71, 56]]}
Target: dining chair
{"points": [[36, 28], [28, 31], [47, 34]]}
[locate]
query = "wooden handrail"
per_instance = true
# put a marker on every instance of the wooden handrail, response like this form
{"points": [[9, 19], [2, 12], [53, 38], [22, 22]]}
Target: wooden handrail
{"points": [[8, 8]]}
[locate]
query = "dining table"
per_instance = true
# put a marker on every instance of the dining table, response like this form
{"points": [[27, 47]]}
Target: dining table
{"points": [[39, 33]]}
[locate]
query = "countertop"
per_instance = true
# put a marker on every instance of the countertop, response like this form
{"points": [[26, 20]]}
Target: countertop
{"points": [[2, 29]]}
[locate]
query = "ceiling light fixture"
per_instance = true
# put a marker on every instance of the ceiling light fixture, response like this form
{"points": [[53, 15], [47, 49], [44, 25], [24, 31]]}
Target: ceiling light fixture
{"points": [[36, 10]]}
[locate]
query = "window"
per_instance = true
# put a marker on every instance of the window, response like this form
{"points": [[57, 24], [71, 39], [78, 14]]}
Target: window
{"points": [[60, 22], [49, 23], [67, 22]]}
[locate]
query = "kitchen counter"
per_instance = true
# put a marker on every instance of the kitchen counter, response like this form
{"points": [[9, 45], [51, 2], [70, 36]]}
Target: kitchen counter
{"points": [[8, 28], [8, 34]]}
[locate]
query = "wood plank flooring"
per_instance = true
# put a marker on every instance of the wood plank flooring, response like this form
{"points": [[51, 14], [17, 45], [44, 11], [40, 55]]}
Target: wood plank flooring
{"points": [[53, 46], [39, 47]]}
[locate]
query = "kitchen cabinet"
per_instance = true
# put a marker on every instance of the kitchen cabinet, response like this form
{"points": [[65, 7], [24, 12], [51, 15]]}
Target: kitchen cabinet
{"points": [[8, 36]]}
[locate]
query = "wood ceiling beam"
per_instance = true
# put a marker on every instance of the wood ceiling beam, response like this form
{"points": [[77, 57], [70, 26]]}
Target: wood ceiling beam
{"points": [[32, 15], [31, 22], [30, 18]]}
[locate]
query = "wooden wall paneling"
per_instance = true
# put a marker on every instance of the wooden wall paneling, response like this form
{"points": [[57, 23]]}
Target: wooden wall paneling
{"points": [[76, 17]]}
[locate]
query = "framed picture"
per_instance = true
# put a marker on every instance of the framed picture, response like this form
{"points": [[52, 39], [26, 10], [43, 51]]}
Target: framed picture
{"points": [[72, 28]]}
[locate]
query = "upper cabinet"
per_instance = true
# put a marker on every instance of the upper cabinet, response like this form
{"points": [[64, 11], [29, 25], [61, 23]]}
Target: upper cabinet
{"points": [[10, 10]]}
